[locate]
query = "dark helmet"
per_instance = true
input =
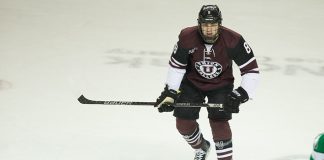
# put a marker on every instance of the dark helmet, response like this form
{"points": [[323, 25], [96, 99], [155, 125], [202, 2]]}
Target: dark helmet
{"points": [[209, 14]]}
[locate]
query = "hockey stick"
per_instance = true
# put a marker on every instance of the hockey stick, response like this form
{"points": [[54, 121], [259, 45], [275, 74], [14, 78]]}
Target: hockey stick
{"points": [[82, 99]]}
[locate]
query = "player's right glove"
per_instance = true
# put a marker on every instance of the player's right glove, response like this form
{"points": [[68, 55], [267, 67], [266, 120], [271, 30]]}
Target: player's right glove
{"points": [[234, 100], [166, 99]]}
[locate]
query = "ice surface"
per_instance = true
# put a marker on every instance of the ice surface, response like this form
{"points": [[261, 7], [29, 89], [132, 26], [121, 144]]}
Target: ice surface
{"points": [[51, 51]]}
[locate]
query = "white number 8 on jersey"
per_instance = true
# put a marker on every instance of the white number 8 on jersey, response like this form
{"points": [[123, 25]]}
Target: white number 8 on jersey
{"points": [[247, 48]]}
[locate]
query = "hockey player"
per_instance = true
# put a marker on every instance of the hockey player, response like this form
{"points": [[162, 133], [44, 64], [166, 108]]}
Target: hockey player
{"points": [[318, 148], [201, 66]]}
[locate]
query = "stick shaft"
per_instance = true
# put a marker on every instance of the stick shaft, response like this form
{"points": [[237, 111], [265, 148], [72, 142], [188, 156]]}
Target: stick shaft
{"points": [[82, 99]]}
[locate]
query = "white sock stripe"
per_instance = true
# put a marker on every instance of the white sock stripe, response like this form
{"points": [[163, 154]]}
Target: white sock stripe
{"points": [[197, 135], [191, 140], [193, 135], [197, 143], [195, 138], [197, 130], [225, 155], [224, 150]]}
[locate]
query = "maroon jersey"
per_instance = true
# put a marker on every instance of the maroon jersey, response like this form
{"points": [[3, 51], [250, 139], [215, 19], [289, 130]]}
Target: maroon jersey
{"points": [[210, 67]]}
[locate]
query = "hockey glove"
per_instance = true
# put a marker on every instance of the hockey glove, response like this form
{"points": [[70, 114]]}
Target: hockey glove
{"points": [[166, 99], [234, 99]]}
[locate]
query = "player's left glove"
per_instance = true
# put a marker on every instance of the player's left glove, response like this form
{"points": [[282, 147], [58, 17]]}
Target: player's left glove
{"points": [[167, 97], [234, 99]]}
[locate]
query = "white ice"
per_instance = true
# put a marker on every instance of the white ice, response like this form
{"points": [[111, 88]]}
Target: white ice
{"points": [[51, 51]]}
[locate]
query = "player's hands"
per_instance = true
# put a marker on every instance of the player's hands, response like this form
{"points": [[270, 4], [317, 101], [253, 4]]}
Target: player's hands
{"points": [[234, 99], [166, 99]]}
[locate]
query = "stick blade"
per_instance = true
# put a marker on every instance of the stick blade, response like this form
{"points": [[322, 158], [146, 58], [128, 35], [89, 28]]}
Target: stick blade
{"points": [[83, 100]]}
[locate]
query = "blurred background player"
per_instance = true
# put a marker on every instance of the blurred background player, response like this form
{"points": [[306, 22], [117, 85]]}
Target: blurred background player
{"points": [[318, 148], [201, 67]]}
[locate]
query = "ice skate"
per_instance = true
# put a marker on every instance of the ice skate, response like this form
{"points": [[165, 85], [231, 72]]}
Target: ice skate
{"points": [[202, 153]]}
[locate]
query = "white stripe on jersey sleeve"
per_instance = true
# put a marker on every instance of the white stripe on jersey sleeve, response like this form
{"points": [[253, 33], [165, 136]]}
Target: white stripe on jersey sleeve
{"points": [[174, 77], [174, 64], [177, 62], [248, 62], [249, 83]]}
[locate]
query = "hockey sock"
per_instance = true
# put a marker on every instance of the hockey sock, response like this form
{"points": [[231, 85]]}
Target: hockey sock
{"points": [[224, 149], [190, 132], [222, 136], [195, 139]]}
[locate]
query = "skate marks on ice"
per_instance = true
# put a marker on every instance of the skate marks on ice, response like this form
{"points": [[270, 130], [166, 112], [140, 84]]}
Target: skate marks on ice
{"points": [[135, 59], [293, 157], [5, 84], [283, 65]]}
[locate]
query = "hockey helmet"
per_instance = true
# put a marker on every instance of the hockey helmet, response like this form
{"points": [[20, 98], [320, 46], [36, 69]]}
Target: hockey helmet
{"points": [[209, 14], [319, 143]]}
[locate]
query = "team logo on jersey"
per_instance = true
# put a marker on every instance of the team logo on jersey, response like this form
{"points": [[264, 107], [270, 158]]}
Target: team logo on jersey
{"points": [[208, 69], [191, 51]]}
